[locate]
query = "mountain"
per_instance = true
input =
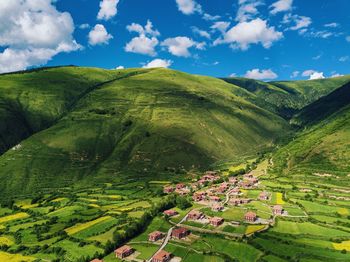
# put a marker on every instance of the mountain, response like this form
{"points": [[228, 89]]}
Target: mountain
{"points": [[86, 122], [324, 107], [288, 97]]}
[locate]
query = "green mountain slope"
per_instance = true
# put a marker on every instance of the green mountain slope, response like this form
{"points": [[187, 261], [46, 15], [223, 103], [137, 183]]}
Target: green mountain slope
{"points": [[324, 107], [134, 120], [33, 101], [288, 97]]}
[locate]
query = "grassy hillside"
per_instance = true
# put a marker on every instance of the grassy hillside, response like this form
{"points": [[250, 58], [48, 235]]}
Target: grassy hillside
{"points": [[135, 120], [324, 107], [286, 98], [33, 101]]}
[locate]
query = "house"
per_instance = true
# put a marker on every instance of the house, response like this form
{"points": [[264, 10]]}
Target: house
{"points": [[249, 175], [250, 216], [198, 196], [232, 180], [235, 201], [277, 210], [217, 207], [214, 198], [235, 191], [168, 189], [170, 213], [223, 187], [180, 232], [211, 173], [245, 200], [155, 236], [96, 260], [161, 256], [123, 251], [182, 191], [180, 186], [264, 195], [195, 215], [216, 221]]}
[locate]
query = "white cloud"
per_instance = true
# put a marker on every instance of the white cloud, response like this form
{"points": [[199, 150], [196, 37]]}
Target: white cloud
{"points": [[99, 35], [300, 22], [209, 17], [158, 63], [142, 45], [146, 30], [200, 32], [336, 75], [295, 74], [147, 40], [247, 9], [317, 57], [179, 46], [221, 26], [281, 6], [32, 32], [120, 67], [332, 25], [108, 9], [344, 58], [244, 34], [261, 74], [312, 74], [189, 7], [347, 38], [322, 34], [84, 26], [233, 75]]}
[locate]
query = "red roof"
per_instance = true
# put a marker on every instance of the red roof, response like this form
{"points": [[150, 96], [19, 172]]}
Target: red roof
{"points": [[161, 255], [123, 249], [216, 219], [179, 230], [250, 214]]}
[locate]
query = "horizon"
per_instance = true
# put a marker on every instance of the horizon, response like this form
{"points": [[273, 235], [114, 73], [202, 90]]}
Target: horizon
{"points": [[208, 39]]}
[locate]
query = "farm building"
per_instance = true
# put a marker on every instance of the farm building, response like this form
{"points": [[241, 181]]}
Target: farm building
{"points": [[155, 236], [123, 251], [180, 186], [195, 215], [264, 195], [232, 180], [183, 191], [250, 216], [277, 210], [235, 191], [217, 207], [168, 189], [216, 221], [170, 213], [215, 198], [180, 233], [198, 196], [161, 256]]}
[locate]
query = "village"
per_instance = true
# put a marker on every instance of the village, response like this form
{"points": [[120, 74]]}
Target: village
{"points": [[211, 196]]}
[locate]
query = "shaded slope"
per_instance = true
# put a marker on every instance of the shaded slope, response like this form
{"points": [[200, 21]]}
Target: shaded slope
{"points": [[287, 98], [155, 120], [32, 101], [324, 107]]}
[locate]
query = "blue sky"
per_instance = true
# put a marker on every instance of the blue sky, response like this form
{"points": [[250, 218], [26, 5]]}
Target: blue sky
{"points": [[262, 39]]}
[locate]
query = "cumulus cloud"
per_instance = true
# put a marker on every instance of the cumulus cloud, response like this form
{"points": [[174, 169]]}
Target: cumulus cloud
{"points": [[189, 7], [312, 74], [255, 31], [158, 63], [220, 26], [99, 35], [108, 9], [281, 6], [300, 22], [147, 40], [347, 38], [336, 75], [261, 74], [179, 46], [248, 9], [120, 67], [32, 32], [200, 32]]}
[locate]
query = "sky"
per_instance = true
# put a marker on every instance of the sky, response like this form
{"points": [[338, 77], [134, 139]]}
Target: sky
{"points": [[260, 39]]}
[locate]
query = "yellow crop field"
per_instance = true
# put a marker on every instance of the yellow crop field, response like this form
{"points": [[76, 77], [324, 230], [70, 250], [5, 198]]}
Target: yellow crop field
{"points": [[14, 257], [94, 205], [343, 245], [253, 228], [279, 199], [6, 240], [343, 211], [13, 217], [79, 227], [59, 199]]}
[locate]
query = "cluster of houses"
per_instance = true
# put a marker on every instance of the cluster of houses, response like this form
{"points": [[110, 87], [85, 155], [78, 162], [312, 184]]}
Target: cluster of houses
{"points": [[196, 215], [126, 251]]}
